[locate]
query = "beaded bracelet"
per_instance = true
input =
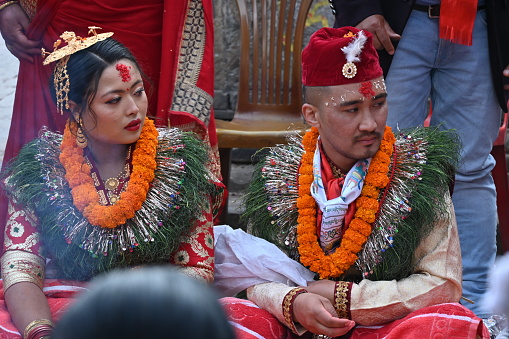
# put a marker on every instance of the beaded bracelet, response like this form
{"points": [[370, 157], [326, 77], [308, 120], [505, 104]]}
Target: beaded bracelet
{"points": [[4, 4], [288, 306], [38, 329]]}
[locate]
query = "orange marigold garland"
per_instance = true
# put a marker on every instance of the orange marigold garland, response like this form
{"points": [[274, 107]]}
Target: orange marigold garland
{"points": [[84, 194], [357, 233]]}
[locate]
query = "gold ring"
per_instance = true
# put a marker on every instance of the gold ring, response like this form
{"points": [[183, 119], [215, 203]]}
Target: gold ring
{"points": [[9, 47]]}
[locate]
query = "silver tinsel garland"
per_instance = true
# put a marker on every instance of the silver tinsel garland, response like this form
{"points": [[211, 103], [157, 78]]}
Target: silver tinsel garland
{"points": [[162, 196], [280, 177]]}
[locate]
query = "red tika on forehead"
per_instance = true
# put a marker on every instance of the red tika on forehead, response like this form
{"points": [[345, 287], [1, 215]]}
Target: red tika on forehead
{"points": [[367, 89], [124, 72]]}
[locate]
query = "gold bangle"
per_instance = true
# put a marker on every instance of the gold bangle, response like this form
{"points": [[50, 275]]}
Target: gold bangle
{"points": [[8, 3], [288, 306], [36, 323]]}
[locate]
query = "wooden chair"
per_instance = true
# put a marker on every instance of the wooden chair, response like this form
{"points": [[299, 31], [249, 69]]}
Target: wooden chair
{"points": [[269, 93]]}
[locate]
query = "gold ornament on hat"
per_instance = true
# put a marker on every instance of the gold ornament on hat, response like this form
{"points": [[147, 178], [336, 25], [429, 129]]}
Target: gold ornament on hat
{"points": [[352, 52], [74, 44], [349, 70]]}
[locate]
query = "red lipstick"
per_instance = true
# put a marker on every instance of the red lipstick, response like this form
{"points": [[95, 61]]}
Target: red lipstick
{"points": [[133, 125]]}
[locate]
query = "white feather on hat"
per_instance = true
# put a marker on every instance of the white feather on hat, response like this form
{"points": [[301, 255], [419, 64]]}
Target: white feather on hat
{"points": [[354, 48]]}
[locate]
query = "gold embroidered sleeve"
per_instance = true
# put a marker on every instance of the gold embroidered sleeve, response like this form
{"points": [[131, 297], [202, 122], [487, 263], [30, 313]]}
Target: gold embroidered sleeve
{"points": [[202, 272], [29, 6], [21, 231], [19, 266], [196, 256]]}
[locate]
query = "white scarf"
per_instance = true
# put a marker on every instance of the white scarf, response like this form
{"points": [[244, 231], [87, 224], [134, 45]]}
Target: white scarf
{"points": [[334, 210]]}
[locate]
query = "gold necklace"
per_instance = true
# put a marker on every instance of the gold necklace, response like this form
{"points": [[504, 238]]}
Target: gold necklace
{"points": [[336, 171], [111, 184]]}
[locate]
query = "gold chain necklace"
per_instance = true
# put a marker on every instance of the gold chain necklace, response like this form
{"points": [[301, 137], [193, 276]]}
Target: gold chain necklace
{"points": [[336, 171]]}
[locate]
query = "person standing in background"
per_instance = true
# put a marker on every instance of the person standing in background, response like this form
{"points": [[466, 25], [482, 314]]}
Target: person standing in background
{"points": [[455, 53]]}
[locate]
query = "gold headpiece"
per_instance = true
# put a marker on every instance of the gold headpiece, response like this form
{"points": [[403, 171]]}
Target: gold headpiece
{"points": [[74, 44]]}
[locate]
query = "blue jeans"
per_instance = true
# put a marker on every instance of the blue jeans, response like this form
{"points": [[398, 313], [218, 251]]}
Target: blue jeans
{"points": [[457, 78]]}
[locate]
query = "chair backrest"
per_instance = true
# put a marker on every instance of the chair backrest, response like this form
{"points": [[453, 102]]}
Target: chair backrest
{"points": [[270, 63]]}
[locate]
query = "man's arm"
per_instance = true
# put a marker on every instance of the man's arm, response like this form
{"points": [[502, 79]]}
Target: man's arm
{"points": [[366, 15], [436, 279], [308, 311], [352, 12]]}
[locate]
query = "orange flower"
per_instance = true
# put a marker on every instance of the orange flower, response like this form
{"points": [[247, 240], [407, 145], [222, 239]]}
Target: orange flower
{"points": [[306, 200], [370, 191], [366, 202], [361, 226], [84, 194], [381, 158], [311, 254], [306, 179]]}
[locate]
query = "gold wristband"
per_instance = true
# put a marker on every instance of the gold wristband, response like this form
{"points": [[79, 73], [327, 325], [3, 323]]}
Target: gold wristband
{"points": [[36, 323], [288, 306], [341, 298], [8, 3]]}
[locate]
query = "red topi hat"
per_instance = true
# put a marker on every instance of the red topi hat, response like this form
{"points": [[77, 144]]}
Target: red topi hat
{"points": [[339, 56]]}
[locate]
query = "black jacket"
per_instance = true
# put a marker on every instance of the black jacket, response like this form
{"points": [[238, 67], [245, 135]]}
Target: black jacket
{"points": [[396, 12]]}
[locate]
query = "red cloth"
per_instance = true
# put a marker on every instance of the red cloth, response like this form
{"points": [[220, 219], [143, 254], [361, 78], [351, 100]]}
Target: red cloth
{"points": [[323, 59], [450, 320], [193, 255], [152, 29], [251, 322], [60, 294], [333, 187], [457, 19]]}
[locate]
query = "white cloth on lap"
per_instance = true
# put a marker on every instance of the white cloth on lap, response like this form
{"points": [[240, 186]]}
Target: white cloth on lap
{"points": [[243, 260]]}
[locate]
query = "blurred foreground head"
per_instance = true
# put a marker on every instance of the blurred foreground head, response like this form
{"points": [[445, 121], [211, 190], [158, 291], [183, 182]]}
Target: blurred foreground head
{"points": [[152, 302]]}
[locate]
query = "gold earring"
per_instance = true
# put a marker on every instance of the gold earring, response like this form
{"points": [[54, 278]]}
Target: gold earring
{"points": [[81, 139]]}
